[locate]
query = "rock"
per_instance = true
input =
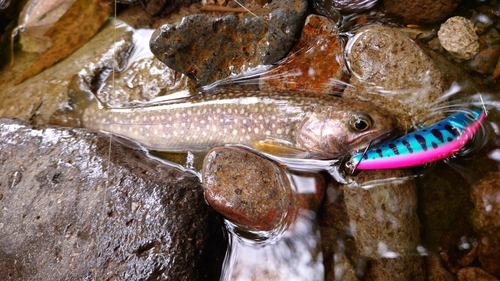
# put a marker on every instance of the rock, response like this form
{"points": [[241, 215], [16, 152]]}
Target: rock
{"points": [[420, 11], [486, 219], [143, 79], [390, 70], [44, 93], [74, 207], [193, 46], [474, 274], [348, 6], [255, 193], [384, 223], [247, 189], [486, 60], [435, 269], [316, 63], [162, 7], [337, 245], [458, 37], [444, 221]]}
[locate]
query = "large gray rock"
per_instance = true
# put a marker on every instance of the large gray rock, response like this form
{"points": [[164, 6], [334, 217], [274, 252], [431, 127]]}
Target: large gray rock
{"points": [[208, 48], [73, 207]]}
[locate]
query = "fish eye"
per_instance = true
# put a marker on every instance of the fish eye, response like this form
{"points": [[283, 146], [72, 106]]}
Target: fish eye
{"points": [[360, 122]]}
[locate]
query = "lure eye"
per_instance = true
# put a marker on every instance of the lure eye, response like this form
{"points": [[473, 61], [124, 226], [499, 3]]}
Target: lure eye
{"points": [[472, 116], [360, 122]]}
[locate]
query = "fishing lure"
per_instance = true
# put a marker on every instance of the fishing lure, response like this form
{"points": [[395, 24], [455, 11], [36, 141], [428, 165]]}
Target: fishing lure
{"points": [[426, 145]]}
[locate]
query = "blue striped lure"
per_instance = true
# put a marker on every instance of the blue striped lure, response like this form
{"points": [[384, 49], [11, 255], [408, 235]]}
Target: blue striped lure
{"points": [[426, 145]]}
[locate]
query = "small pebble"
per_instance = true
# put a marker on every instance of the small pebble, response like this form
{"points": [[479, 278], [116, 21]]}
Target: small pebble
{"points": [[458, 37]]}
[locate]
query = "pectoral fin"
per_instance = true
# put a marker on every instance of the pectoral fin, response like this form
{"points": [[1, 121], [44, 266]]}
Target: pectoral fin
{"points": [[279, 148]]}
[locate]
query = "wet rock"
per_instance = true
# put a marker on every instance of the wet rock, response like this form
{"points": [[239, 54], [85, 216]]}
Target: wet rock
{"points": [[435, 269], [385, 224], [162, 7], [326, 7], [486, 219], [474, 274], [458, 37], [337, 244], [193, 46], [248, 190], [444, 221], [496, 72], [486, 60], [316, 63], [390, 70], [420, 11], [44, 93], [354, 5], [143, 79], [73, 207]]}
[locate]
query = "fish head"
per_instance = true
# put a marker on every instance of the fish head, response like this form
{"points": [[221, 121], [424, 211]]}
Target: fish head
{"points": [[331, 134]]}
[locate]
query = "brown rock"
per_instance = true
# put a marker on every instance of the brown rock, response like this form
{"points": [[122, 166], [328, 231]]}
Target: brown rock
{"points": [[496, 72], [435, 269], [390, 70], [474, 274], [316, 63], [486, 60], [248, 190], [420, 11], [486, 219], [45, 92], [444, 221], [74, 207], [337, 245], [162, 7], [385, 224]]}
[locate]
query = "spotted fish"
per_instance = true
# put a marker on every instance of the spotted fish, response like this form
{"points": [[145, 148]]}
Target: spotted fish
{"points": [[426, 145], [286, 124]]}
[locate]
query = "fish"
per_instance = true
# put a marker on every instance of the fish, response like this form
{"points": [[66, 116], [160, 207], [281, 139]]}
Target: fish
{"points": [[429, 144], [312, 126]]}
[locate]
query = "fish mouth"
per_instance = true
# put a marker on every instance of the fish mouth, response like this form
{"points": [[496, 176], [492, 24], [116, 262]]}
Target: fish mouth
{"points": [[384, 137], [381, 138]]}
